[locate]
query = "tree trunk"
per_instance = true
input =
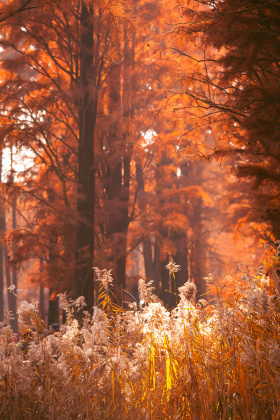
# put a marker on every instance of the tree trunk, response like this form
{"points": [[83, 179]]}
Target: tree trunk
{"points": [[53, 315], [84, 280], [1, 255], [119, 167], [12, 296], [198, 252], [151, 251], [6, 259], [42, 297], [42, 302], [1, 280]]}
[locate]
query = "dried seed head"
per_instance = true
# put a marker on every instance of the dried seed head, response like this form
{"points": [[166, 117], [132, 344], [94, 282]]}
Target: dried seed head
{"points": [[264, 302], [254, 300], [258, 301], [209, 279], [11, 288], [188, 291], [104, 276], [172, 267], [202, 303]]}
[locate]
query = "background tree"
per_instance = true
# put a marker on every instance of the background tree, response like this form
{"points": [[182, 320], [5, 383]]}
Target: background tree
{"points": [[52, 113], [59, 65], [85, 90], [235, 88]]}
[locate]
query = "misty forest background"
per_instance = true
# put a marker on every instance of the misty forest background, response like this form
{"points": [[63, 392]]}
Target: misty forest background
{"points": [[132, 133]]}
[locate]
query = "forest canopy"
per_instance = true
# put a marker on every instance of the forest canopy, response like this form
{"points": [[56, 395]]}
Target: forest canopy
{"points": [[151, 130]]}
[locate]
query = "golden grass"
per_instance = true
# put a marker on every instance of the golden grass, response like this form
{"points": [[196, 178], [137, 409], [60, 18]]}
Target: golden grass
{"points": [[221, 361]]}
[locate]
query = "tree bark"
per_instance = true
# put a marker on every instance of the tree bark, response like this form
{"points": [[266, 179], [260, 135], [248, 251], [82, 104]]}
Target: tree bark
{"points": [[12, 296], [53, 315], [198, 252], [84, 280], [1, 252], [42, 302]]}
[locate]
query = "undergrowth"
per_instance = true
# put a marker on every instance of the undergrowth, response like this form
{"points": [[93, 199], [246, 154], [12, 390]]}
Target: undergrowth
{"points": [[207, 360]]}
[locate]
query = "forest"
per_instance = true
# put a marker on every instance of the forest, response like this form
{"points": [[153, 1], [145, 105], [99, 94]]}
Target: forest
{"points": [[139, 209]]}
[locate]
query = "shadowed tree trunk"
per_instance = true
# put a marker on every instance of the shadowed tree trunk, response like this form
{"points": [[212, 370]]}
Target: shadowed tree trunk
{"points": [[84, 280], [198, 252], [53, 315], [12, 296], [42, 302], [151, 251], [42, 297], [1, 251]]}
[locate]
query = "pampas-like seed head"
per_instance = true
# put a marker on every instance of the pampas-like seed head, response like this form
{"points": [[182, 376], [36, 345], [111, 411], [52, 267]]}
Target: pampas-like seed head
{"points": [[188, 291]]}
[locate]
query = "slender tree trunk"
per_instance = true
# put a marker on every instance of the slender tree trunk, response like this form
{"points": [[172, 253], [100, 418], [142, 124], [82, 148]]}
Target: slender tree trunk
{"points": [[181, 258], [13, 296], [1, 280], [148, 259], [42, 298], [6, 259], [84, 280], [198, 252], [1, 283], [53, 311], [151, 251], [118, 177], [42, 302], [1, 251], [53, 315]]}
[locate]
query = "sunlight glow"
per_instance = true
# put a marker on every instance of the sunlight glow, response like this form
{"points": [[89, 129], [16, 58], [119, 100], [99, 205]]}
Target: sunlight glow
{"points": [[22, 160], [149, 137]]}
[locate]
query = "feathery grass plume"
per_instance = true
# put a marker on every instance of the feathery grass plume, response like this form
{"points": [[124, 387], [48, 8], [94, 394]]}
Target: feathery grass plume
{"points": [[210, 279], [11, 288], [145, 291], [188, 291], [28, 314], [265, 281], [202, 303], [8, 315], [172, 267], [264, 302], [156, 319], [254, 299], [104, 276]]}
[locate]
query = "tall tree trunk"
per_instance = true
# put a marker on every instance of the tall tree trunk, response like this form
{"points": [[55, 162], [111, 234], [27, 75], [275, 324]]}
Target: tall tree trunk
{"points": [[151, 251], [84, 280], [13, 295], [198, 252], [1, 277], [53, 315], [53, 312], [42, 297], [119, 171], [42, 302], [1, 250], [181, 258], [6, 259]]}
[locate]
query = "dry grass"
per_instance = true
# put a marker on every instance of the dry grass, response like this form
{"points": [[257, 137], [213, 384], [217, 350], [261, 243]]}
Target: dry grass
{"points": [[217, 361]]}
